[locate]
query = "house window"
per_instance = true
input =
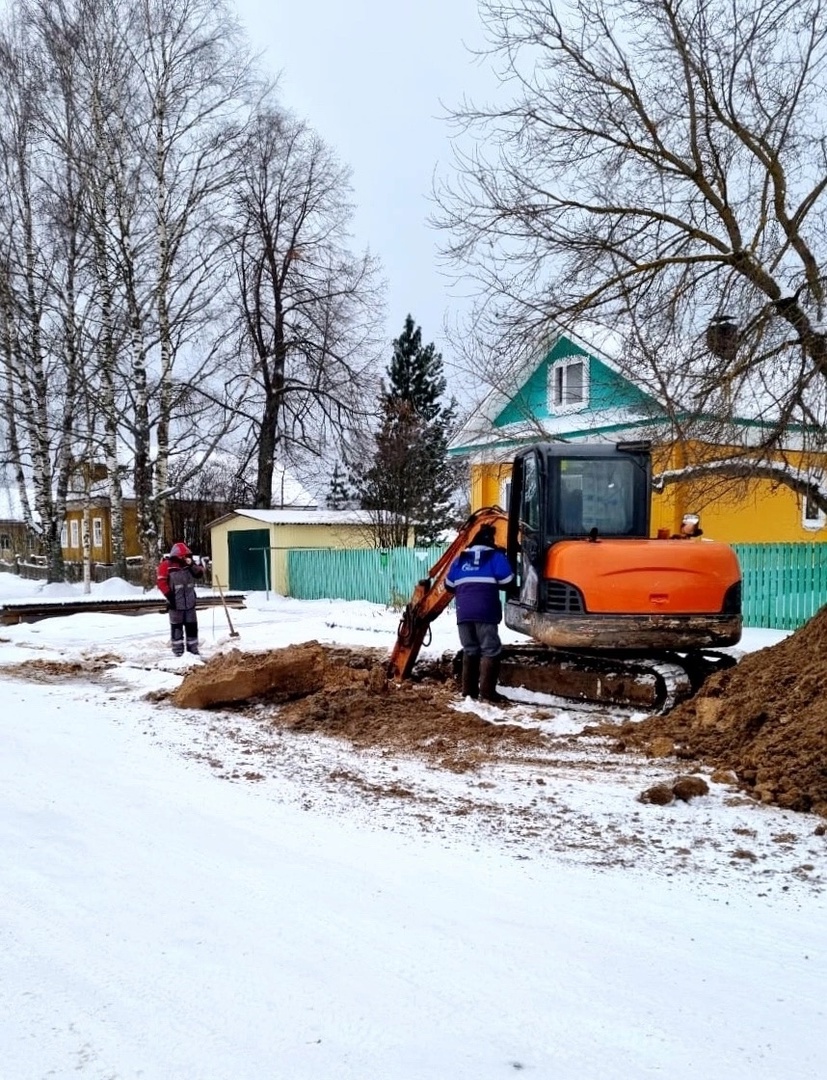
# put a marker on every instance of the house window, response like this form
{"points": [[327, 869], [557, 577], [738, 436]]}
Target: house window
{"points": [[568, 385], [811, 516], [97, 532], [74, 532], [5, 542], [64, 536]]}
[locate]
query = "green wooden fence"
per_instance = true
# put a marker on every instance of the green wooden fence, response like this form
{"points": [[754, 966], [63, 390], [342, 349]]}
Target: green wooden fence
{"points": [[381, 577], [784, 584]]}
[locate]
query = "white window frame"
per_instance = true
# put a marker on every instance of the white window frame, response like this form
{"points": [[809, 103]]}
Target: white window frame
{"points": [[812, 522], [74, 533], [558, 389], [97, 532], [64, 535]]}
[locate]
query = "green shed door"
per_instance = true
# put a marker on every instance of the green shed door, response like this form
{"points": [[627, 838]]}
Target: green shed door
{"points": [[247, 567]]}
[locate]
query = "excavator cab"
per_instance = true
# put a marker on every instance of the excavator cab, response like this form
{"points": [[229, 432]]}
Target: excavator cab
{"points": [[587, 574], [561, 491]]}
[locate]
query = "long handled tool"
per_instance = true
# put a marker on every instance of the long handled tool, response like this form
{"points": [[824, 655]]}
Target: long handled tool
{"points": [[233, 632]]}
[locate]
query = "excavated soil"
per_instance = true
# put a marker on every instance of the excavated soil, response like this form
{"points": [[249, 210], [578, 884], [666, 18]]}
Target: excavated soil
{"points": [[49, 671], [765, 720], [761, 725], [345, 693]]}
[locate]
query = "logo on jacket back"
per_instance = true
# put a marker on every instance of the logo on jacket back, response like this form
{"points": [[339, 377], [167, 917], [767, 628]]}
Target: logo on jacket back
{"points": [[477, 553]]}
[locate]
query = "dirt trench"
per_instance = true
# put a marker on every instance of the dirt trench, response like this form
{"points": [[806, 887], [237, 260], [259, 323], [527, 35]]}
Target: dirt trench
{"points": [[345, 692]]}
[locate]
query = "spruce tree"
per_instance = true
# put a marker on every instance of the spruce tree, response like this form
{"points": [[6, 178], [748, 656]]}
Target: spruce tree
{"points": [[339, 496], [411, 481]]}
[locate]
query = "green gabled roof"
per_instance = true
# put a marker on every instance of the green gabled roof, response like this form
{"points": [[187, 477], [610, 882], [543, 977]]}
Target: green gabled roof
{"points": [[607, 389], [509, 416]]}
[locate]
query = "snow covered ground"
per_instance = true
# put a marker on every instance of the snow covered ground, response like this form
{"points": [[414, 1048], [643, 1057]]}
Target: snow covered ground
{"points": [[186, 897]]}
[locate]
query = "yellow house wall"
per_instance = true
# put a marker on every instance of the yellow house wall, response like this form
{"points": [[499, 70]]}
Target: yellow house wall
{"points": [[753, 512], [103, 552], [488, 485], [74, 552], [736, 512], [283, 538]]}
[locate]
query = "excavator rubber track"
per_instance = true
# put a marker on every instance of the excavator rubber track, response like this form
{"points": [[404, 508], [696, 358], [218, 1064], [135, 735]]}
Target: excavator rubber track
{"points": [[656, 683]]}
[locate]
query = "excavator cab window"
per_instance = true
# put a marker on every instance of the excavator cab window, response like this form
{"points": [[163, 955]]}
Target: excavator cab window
{"points": [[530, 497], [561, 492], [602, 493]]}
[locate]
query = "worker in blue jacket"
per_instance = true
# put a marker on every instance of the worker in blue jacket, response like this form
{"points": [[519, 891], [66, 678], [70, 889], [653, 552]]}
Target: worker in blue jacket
{"points": [[475, 578]]}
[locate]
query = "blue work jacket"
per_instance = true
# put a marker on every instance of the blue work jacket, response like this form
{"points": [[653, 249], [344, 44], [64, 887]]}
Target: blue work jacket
{"points": [[476, 577]]}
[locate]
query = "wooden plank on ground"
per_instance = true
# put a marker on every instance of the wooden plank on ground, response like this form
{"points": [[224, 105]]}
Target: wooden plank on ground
{"points": [[25, 611]]}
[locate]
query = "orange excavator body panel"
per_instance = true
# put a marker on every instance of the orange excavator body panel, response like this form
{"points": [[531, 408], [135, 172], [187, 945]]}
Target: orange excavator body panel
{"points": [[643, 576]]}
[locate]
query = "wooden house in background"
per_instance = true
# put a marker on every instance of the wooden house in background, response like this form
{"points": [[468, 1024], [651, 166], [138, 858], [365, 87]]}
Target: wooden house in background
{"points": [[186, 519], [16, 539], [572, 391]]}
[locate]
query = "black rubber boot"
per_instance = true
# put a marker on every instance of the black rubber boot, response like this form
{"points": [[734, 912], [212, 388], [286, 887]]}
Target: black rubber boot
{"points": [[489, 673], [470, 676]]}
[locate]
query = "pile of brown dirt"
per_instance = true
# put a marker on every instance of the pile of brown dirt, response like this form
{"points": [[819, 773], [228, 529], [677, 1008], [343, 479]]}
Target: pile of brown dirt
{"points": [[345, 693], [411, 717], [279, 674], [765, 719]]}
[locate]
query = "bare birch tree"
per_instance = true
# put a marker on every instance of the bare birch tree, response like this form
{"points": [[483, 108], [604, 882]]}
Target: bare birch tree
{"points": [[195, 92], [162, 86], [42, 248], [136, 191], [657, 168]]}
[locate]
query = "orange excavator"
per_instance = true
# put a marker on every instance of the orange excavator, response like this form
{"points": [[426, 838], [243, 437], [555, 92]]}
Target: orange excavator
{"points": [[614, 615]]}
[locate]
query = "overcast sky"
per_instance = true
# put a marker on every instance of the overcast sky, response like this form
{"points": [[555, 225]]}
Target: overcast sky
{"points": [[373, 77]]}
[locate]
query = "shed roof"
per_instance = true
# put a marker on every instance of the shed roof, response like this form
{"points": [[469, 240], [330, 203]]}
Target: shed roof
{"points": [[300, 516]]}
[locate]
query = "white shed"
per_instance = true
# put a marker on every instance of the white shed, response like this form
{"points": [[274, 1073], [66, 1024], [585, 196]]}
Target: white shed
{"points": [[249, 547]]}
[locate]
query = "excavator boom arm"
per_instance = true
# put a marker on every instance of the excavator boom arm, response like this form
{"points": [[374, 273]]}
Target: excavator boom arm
{"points": [[430, 597]]}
